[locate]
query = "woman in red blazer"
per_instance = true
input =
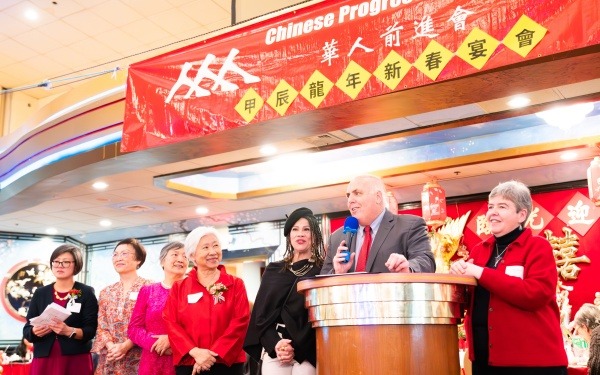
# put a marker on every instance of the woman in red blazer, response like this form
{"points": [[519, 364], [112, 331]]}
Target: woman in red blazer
{"points": [[514, 307], [207, 313]]}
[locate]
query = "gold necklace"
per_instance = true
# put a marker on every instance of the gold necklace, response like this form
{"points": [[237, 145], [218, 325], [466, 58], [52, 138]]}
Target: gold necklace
{"points": [[303, 270]]}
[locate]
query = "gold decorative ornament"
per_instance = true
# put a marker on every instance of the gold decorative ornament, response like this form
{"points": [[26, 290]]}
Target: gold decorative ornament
{"points": [[565, 253], [445, 241]]}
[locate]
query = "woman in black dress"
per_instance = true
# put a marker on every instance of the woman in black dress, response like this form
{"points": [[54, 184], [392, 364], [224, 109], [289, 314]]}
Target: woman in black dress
{"points": [[279, 332]]}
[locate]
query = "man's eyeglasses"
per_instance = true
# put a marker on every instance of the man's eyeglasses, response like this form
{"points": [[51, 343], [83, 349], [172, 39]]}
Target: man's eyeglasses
{"points": [[64, 263]]}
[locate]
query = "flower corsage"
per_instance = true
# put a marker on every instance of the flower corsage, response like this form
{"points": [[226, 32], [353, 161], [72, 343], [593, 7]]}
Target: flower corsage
{"points": [[216, 290], [74, 293]]}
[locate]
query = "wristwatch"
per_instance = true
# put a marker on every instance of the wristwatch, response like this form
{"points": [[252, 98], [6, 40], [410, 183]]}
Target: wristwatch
{"points": [[72, 335]]}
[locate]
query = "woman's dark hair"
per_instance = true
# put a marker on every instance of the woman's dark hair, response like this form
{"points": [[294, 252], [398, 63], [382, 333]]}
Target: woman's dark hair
{"points": [[21, 350], [74, 251], [594, 359], [140, 250], [317, 248]]}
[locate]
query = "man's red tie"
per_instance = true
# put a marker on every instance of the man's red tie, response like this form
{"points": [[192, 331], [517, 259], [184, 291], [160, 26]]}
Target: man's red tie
{"points": [[364, 251]]}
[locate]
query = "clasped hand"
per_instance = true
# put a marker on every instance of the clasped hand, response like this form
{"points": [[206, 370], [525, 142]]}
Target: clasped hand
{"points": [[204, 359], [466, 268], [116, 352], [285, 351], [161, 346]]}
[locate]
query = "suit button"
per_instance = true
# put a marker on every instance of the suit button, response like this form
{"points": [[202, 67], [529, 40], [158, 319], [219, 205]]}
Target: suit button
{"points": [[491, 309]]}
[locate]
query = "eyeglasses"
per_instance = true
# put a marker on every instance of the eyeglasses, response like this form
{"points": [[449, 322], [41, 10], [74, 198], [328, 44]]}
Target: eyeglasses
{"points": [[64, 263], [124, 254]]}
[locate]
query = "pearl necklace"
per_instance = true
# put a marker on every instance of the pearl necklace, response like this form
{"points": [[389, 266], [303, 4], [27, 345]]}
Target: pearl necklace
{"points": [[59, 297]]}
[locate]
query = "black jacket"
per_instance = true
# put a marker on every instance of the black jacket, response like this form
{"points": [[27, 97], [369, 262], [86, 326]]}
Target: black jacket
{"points": [[86, 319]]}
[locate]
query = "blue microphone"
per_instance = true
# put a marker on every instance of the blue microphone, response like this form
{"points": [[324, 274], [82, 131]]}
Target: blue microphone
{"points": [[350, 229]]}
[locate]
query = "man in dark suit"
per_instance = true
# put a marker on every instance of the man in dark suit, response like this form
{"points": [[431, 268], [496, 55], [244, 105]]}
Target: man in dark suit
{"points": [[388, 242]]}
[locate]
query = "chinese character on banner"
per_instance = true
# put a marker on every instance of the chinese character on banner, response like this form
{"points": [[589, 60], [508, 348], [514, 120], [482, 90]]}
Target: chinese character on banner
{"points": [[580, 213], [539, 218], [478, 223]]}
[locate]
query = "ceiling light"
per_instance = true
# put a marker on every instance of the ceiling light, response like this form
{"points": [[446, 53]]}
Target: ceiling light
{"points": [[105, 223], [31, 14], [568, 155], [268, 150], [51, 231], [568, 116], [100, 185], [518, 101], [202, 210]]}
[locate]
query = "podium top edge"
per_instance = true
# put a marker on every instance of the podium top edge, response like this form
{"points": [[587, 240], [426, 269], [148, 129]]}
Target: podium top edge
{"points": [[375, 278]]}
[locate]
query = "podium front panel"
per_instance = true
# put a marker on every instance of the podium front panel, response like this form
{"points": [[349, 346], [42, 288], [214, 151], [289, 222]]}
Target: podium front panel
{"points": [[387, 323]]}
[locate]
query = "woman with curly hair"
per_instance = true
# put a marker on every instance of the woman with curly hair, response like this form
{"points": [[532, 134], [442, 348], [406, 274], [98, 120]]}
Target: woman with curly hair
{"points": [[279, 332]]}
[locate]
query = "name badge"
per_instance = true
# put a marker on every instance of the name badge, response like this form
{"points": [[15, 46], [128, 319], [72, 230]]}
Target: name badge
{"points": [[133, 296], [516, 271], [74, 306], [193, 298]]}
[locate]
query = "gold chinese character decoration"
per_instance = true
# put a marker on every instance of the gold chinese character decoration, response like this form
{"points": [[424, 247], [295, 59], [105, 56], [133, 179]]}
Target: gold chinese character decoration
{"points": [[565, 253], [564, 305]]}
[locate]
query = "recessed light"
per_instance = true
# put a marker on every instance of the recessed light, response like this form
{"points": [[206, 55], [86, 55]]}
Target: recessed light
{"points": [[568, 155], [519, 101], [565, 117], [51, 231], [105, 223], [99, 185], [31, 14], [268, 150], [202, 210]]}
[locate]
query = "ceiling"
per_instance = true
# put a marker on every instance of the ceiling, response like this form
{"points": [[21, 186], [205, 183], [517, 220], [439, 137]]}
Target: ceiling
{"points": [[76, 39]]}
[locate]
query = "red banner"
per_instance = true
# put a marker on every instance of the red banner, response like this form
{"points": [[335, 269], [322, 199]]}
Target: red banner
{"points": [[338, 51]]}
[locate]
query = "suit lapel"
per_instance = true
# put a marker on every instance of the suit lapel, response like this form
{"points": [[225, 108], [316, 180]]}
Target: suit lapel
{"points": [[386, 225]]}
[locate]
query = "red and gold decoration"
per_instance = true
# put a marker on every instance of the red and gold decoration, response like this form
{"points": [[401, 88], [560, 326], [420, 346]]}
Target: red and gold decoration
{"points": [[20, 283], [565, 253], [334, 52], [446, 241], [433, 204]]}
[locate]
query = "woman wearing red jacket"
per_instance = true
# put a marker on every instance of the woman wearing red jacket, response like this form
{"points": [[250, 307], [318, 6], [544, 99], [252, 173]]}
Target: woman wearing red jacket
{"points": [[207, 313], [513, 324]]}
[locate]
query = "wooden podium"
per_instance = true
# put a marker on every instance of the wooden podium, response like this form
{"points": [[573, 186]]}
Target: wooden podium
{"points": [[382, 324]]}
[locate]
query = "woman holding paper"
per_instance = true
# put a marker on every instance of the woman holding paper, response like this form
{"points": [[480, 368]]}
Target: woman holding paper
{"points": [[117, 354], [207, 313], [513, 307], [62, 346], [147, 327]]}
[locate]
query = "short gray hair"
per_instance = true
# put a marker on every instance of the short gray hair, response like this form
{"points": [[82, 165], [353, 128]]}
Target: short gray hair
{"points": [[588, 315], [194, 237], [168, 247], [516, 192]]}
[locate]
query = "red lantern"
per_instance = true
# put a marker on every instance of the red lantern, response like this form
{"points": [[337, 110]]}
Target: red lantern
{"points": [[593, 177], [433, 204]]}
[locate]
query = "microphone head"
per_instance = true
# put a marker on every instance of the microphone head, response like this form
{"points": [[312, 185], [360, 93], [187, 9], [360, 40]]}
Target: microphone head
{"points": [[350, 225]]}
